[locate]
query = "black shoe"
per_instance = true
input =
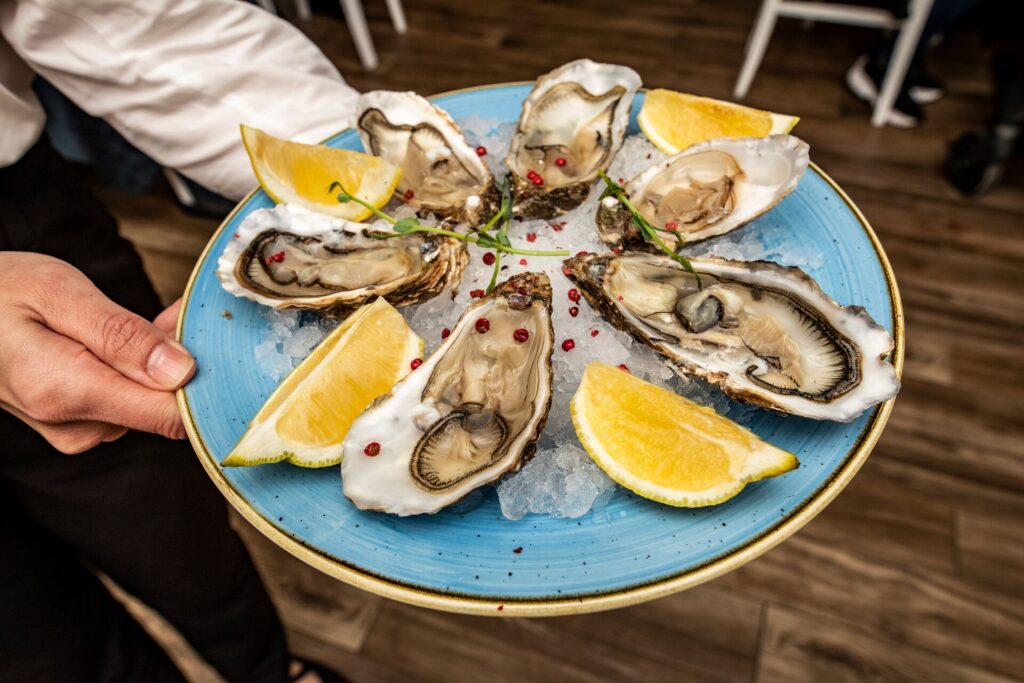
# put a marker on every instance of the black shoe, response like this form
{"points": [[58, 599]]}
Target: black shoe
{"points": [[865, 80], [976, 159], [923, 87]]}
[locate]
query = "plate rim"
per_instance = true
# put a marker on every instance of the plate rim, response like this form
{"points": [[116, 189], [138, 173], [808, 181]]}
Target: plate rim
{"points": [[535, 607]]}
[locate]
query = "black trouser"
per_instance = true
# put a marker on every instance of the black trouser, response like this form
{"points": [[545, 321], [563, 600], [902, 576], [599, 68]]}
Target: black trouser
{"points": [[139, 509]]}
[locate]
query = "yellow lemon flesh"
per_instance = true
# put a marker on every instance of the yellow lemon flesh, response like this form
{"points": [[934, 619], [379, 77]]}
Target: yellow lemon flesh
{"points": [[674, 121], [665, 447], [301, 174], [307, 417]]}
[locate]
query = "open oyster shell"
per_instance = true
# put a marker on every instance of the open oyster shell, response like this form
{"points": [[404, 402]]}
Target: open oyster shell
{"points": [[572, 124], [470, 413], [764, 333], [289, 257], [441, 173], [706, 190]]}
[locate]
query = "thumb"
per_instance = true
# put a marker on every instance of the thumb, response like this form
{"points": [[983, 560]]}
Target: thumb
{"points": [[133, 346]]}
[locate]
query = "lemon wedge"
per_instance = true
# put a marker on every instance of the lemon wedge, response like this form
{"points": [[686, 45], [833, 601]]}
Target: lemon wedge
{"points": [[665, 447], [674, 121], [294, 173], [307, 417]]}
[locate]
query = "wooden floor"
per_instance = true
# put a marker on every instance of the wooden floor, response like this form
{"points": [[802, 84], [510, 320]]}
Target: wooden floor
{"points": [[916, 572]]}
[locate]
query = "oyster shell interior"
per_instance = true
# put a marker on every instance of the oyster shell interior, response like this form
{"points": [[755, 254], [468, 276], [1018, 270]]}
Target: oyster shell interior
{"points": [[782, 345], [572, 124], [468, 414], [283, 265], [568, 134], [289, 257], [694, 194], [764, 333], [441, 173], [482, 392], [707, 190]]}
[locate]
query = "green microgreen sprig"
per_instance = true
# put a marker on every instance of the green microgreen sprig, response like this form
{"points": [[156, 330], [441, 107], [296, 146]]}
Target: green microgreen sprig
{"points": [[650, 231], [504, 216], [480, 237]]}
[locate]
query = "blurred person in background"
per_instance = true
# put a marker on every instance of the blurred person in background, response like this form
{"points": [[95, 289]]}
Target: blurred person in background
{"points": [[977, 159], [920, 87], [94, 476]]}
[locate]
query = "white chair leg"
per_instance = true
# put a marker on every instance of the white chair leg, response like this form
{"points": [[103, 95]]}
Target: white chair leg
{"points": [[303, 9], [360, 33], [397, 15], [268, 5], [760, 34], [899, 61]]}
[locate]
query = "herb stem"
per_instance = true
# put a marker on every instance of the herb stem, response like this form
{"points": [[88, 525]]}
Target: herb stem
{"points": [[441, 231], [410, 224], [496, 217], [650, 231], [533, 252], [335, 186]]}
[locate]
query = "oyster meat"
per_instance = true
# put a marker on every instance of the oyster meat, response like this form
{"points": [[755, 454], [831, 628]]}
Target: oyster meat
{"points": [[441, 173], [289, 257], [470, 413], [764, 333], [572, 124], [706, 190]]}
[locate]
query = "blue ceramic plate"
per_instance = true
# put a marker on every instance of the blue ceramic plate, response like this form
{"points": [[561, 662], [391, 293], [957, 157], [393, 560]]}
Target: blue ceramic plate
{"points": [[465, 562]]}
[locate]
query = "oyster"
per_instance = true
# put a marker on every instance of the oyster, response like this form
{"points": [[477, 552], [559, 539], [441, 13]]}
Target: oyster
{"points": [[572, 124], [764, 333], [708, 189], [469, 414], [441, 173], [289, 257]]}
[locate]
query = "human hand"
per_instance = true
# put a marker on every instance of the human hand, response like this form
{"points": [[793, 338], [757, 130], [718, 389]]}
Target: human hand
{"points": [[78, 368]]}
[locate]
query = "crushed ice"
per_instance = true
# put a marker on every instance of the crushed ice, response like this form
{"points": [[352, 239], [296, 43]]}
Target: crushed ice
{"points": [[561, 480], [289, 339]]}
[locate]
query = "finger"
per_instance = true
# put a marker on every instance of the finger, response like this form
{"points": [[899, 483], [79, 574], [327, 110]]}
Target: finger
{"points": [[119, 401], [168, 320], [136, 348], [79, 387], [73, 437], [114, 432]]}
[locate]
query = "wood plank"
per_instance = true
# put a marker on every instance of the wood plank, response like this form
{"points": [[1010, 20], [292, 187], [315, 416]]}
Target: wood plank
{"points": [[878, 517], [168, 273], [934, 430], [930, 359], [356, 668], [625, 645], [800, 648], [911, 605], [992, 550], [962, 494]]}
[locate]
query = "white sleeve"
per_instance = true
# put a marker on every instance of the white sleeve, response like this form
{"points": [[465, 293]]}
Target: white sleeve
{"points": [[177, 77]]}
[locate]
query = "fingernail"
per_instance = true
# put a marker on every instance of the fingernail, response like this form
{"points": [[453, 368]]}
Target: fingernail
{"points": [[170, 365]]}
